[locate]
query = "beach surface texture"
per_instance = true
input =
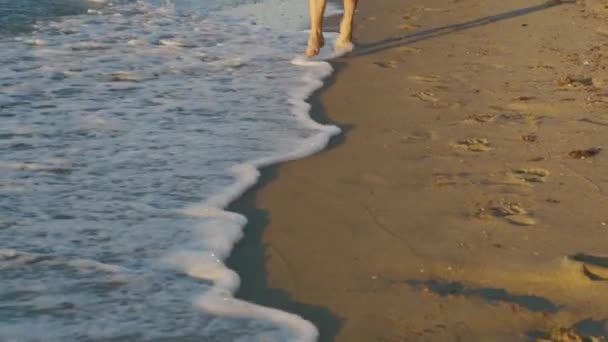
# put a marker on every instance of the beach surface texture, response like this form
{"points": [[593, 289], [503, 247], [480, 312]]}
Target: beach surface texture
{"points": [[466, 199]]}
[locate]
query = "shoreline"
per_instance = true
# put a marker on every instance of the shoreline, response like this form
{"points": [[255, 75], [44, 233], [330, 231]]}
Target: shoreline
{"points": [[455, 210], [247, 258], [248, 255]]}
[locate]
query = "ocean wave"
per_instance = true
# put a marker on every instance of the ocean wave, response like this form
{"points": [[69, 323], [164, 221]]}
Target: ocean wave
{"points": [[161, 110]]}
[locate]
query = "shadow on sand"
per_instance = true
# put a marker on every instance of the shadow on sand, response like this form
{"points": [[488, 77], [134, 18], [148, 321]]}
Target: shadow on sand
{"points": [[368, 49]]}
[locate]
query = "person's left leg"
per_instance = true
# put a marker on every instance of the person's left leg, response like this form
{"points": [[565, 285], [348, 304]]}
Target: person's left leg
{"points": [[346, 26], [316, 40]]}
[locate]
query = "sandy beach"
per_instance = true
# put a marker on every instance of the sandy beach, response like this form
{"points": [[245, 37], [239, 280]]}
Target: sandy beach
{"points": [[466, 199]]}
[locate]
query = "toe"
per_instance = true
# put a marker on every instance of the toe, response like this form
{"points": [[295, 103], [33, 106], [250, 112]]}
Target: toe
{"points": [[315, 43], [312, 51]]}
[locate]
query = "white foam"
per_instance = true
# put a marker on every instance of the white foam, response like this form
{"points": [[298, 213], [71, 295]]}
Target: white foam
{"points": [[50, 165], [171, 43], [37, 42], [220, 300], [10, 257], [99, 2], [92, 265], [343, 48], [206, 266]]}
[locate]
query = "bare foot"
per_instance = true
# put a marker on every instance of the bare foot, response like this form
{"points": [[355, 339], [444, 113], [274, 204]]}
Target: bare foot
{"points": [[344, 45], [315, 43], [345, 40]]}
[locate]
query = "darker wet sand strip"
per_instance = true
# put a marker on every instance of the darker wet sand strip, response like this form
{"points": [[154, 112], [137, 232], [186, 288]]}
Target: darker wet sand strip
{"points": [[466, 199]]}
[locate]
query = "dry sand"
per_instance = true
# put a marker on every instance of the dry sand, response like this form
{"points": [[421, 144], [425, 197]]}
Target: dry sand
{"points": [[467, 199]]}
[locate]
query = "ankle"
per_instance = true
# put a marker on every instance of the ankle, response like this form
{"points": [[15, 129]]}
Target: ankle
{"points": [[346, 32], [345, 38], [316, 32]]}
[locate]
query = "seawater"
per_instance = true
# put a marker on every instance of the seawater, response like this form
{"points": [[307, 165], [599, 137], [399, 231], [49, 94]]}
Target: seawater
{"points": [[125, 129]]}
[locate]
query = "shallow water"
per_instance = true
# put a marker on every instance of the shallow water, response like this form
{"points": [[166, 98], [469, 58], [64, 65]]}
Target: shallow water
{"points": [[119, 125]]}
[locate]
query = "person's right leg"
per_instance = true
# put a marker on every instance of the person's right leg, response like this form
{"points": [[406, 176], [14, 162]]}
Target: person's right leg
{"points": [[346, 27], [316, 40]]}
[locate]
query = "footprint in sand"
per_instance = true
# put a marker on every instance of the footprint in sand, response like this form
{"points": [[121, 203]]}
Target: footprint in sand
{"points": [[412, 14], [522, 111], [420, 136], [444, 179], [449, 179], [530, 138], [480, 118], [571, 81], [507, 115], [427, 79], [473, 145], [602, 30], [388, 65], [532, 175], [426, 96], [510, 114], [408, 49], [562, 334], [513, 213], [526, 177], [593, 266], [600, 100], [408, 27]]}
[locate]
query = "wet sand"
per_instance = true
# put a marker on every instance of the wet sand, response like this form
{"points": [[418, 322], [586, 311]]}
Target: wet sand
{"points": [[466, 199]]}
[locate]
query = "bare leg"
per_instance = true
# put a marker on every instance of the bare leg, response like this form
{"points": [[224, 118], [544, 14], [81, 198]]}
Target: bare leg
{"points": [[346, 26], [316, 40]]}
